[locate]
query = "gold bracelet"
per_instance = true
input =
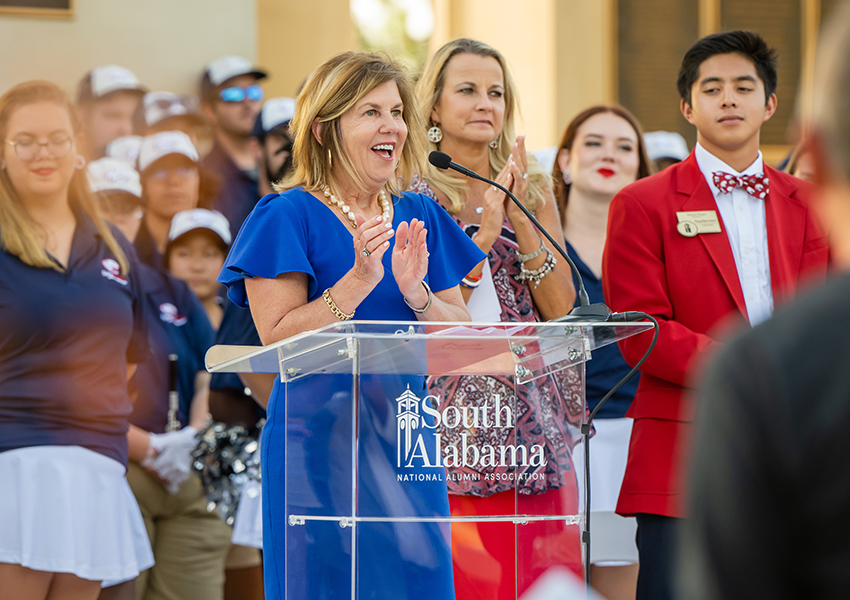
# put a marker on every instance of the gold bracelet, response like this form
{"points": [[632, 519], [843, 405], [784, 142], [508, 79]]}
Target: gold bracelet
{"points": [[334, 308]]}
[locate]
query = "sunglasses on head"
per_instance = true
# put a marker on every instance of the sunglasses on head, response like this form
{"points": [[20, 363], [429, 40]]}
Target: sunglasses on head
{"points": [[238, 94]]}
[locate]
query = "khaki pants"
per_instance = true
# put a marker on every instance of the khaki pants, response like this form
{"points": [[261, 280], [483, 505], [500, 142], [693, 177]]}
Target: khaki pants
{"points": [[189, 544]]}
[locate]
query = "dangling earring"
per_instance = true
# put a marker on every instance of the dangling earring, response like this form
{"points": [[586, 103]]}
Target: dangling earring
{"points": [[80, 162], [495, 143], [435, 134], [330, 159], [566, 177]]}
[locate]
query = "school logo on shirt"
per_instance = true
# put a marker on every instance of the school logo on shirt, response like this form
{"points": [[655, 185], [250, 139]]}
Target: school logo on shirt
{"points": [[168, 313], [112, 270], [420, 444]]}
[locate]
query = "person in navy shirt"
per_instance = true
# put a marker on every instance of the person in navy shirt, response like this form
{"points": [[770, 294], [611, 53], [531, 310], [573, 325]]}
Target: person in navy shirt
{"points": [[71, 321], [171, 182], [190, 543], [198, 244], [230, 100], [601, 152]]}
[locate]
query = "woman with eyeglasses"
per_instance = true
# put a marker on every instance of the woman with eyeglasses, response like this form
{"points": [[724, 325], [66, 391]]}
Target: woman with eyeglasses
{"points": [[70, 324]]}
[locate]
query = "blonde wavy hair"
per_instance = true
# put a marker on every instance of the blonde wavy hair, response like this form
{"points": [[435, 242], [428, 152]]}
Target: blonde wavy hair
{"points": [[19, 234], [330, 91], [428, 91]]}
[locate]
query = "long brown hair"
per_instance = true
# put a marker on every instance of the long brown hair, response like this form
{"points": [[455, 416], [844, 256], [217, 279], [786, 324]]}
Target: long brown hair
{"points": [[562, 190], [19, 234], [430, 88]]}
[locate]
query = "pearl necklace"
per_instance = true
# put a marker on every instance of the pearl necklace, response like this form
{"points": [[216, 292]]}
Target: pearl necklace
{"points": [[346, 210]]}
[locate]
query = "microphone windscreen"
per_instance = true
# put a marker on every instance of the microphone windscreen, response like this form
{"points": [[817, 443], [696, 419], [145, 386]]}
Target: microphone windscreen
{"points": [[441, 160]]}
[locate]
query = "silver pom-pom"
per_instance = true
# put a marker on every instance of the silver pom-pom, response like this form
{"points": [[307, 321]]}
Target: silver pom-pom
{"points": [[226, 458]]}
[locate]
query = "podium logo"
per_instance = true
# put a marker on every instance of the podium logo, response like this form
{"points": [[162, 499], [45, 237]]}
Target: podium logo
{"points": [[419, 444]]}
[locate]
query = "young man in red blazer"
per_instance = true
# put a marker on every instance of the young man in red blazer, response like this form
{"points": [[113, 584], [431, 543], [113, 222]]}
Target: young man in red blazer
{"points": [[716, 237]]}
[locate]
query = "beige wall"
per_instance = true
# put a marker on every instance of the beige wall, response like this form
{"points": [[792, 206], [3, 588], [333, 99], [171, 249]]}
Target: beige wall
{"points": [[164, 42], [296, 36], [560, 51]]}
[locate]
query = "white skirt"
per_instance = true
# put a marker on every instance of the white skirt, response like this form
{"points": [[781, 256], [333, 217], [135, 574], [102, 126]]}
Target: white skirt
{"points": [[66, 509], [612, 537]]}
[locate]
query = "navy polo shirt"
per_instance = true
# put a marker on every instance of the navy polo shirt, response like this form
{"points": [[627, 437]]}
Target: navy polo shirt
{"points": [[607, 367], [238, 193], [65, 341], [177, 324], [237, 329]]}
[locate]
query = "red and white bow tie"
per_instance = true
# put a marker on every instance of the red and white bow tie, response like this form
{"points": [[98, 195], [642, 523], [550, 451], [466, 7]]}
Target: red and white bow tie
{"points": [[756, 186]]}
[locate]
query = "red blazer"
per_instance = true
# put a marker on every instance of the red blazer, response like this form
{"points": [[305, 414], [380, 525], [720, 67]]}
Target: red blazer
{"points": [[690, 284]]}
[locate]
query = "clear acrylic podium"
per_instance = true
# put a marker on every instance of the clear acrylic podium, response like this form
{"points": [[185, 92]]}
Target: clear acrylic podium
{"points": [[374, 422]]}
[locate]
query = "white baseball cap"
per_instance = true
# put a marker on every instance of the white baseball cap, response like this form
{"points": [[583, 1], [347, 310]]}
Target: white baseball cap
{"points": [[113, 175], [200, 218], [165, 143], [104, 80], [227, 67], [277, 111], [125, 148], [665, 144], [159, 106]]}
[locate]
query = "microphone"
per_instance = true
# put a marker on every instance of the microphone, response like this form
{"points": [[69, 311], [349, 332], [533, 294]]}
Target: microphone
{"points": [[585, 311]]}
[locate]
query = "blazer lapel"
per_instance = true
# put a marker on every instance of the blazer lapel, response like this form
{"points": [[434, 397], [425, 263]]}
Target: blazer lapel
{"points": [[786, 231], [691, 183]]}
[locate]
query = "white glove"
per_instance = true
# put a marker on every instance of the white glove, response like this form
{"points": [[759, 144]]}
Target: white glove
{"points": [[172, 456]]}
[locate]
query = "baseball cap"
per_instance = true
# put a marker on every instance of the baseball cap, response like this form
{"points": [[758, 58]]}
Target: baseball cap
{"points": [[113, 175], [159, 106], [221, 69], [165, 143], [199, 218], [275, 112], [665, 144], [125, 148], [104, 80]]}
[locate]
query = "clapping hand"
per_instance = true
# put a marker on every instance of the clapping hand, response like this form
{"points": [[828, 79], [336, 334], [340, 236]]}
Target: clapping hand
{"points": [[371, 241], [517, 166], [410, 261]]}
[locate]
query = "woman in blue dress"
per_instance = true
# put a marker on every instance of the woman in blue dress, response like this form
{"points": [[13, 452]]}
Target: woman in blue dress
{"points": [[344, 239]]}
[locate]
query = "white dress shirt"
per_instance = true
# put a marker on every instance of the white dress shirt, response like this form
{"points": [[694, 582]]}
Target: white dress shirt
{"points": [[744, 218]]}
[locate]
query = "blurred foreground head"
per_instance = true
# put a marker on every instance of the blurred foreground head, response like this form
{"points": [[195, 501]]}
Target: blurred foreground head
{"points": [[829, 142]]}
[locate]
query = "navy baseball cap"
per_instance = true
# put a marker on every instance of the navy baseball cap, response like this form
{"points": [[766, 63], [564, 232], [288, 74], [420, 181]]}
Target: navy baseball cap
{"points": [[275, 113]]}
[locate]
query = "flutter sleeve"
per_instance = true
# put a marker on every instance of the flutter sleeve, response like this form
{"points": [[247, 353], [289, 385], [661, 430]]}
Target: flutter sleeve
{"points": [[272, 241]]}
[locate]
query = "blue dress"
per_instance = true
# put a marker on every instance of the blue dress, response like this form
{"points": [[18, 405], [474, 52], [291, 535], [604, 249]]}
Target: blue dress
{"points": [[296, 232]]}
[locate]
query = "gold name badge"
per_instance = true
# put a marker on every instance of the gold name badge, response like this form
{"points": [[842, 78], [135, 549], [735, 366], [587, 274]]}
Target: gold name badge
{"points": [[697, 221]]}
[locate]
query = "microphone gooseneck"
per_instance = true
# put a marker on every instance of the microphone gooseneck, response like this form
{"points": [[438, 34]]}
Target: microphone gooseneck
{"points": [[585, 310]]}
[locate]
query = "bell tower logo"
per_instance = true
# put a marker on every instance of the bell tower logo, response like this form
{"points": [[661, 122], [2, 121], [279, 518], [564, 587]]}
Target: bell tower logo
{"points": [[409, 420]]}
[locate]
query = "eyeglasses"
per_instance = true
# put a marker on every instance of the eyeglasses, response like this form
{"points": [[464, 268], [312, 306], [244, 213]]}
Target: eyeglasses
{"points": [[162, 174], [238, 94], [27, 148]]}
